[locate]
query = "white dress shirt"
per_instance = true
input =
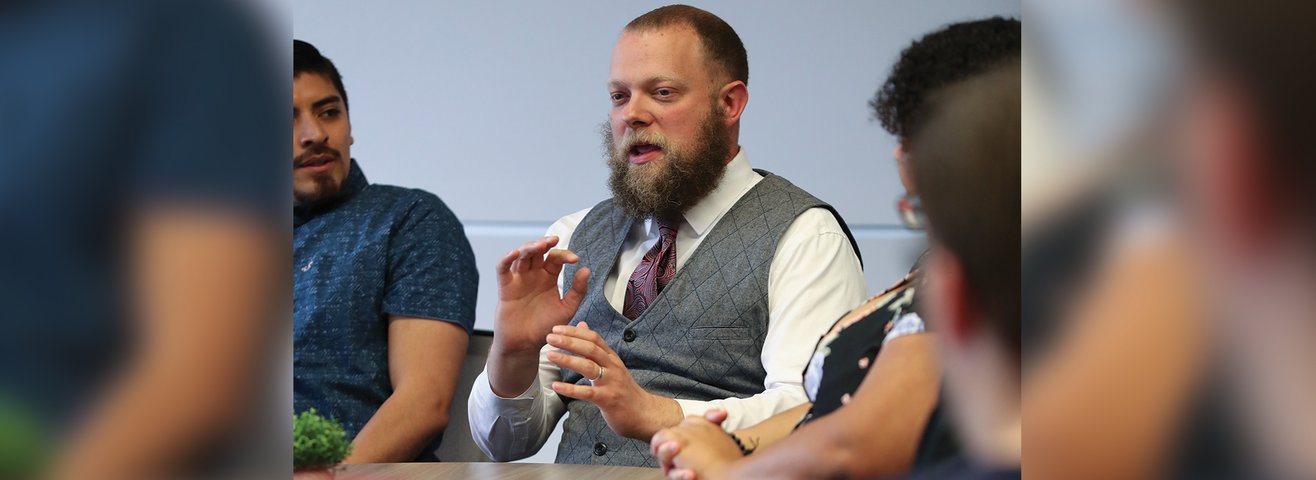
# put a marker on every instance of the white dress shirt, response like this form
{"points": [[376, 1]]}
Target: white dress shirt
{"points": [[815, 277]]}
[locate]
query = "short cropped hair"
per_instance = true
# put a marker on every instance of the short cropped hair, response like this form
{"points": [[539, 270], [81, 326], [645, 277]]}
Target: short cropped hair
{"points": [[307, 59], [721, 44], [967, 171]]}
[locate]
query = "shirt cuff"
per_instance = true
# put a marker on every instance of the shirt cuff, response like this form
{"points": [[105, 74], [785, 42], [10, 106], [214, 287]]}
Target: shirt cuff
{"points": [[528, 394], [500, 425], [517, 408], [698, 408]]}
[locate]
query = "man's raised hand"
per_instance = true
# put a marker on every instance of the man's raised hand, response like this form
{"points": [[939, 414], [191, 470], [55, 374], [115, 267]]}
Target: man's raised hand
{"points": [[529, 304]]}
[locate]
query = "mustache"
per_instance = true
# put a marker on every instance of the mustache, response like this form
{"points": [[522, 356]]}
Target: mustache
{"points": [[316, 151], [637, 137]]}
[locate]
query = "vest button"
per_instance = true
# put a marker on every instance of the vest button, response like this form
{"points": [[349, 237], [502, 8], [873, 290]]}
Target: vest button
{"points": [[628, 335], [600, 449]]}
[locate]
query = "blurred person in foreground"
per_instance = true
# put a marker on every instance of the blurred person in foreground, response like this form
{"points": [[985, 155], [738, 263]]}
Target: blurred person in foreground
{"points": [[143, 277], [690, 289], [966, 169], [384, 285], [1217, 381], [1249, 168], [862, 421]]}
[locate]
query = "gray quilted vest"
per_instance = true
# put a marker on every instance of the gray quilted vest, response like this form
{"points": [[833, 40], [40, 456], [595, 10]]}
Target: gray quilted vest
{"points": [[701, 338]]}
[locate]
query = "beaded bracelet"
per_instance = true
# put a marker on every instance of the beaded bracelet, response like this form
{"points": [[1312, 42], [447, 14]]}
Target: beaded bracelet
{"points": [[743, 449]]}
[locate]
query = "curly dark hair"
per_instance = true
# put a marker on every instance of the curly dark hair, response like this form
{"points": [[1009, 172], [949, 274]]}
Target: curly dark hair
{"points": [[953, 53]]}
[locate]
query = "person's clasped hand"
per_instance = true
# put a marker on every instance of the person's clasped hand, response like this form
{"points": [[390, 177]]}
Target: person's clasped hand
{"points": [[696, 448]]}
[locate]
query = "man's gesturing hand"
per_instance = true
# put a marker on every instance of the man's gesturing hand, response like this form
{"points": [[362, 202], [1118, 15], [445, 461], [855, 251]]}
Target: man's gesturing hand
{"points": [[529, 304], [629, 409]]}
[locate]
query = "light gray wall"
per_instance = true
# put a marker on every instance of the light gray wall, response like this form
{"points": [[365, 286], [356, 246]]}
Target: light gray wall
{"points": [[494, 105]]}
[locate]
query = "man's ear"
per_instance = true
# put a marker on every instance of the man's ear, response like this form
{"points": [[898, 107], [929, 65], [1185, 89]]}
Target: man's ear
{"points": [[954, 315], [1233, 158], [732, 100], [350, 139]]}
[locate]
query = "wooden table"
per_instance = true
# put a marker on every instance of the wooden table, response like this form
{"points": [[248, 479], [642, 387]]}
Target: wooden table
{"points": [[480, 471]]}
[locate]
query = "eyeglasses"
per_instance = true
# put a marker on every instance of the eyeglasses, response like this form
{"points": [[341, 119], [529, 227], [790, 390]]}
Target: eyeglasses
{"points": [[910, 211]]}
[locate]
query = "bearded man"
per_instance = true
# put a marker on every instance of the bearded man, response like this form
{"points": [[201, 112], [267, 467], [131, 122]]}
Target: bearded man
{"points": [[713, 279]]}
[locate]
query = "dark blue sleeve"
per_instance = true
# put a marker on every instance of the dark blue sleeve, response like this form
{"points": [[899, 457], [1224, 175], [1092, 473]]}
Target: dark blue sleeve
{"points": [[212, 103], [431, 266]]}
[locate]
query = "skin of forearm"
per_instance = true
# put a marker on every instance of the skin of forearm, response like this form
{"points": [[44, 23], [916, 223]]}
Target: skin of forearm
{"points": [[876, 434], [511, 372], [661, 412], [205, 290], [124, 441], [424, 358], [775, 428], [823, 457], [398, 431]]}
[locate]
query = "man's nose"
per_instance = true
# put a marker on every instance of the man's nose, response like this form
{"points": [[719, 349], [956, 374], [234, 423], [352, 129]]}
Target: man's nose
{"points": [[309, 133], [636, 113]]}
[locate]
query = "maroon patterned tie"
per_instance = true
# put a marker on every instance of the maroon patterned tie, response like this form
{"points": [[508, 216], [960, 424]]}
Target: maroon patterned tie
{"points": [[653, 273]]}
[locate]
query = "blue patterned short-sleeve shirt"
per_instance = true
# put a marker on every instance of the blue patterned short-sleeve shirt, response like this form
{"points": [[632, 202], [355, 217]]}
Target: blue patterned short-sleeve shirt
{"points": [[378, 251]]}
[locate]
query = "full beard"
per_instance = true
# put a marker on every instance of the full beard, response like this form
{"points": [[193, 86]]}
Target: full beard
{"points": [[670, 186]]}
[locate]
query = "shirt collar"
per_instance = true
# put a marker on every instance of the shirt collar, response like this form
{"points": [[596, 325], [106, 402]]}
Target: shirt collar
{"points": [[353, 184], [736, 180]]}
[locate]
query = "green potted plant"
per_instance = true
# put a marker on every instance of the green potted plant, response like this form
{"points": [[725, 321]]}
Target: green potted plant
{"points": [[26, 450], [318, 443]]}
